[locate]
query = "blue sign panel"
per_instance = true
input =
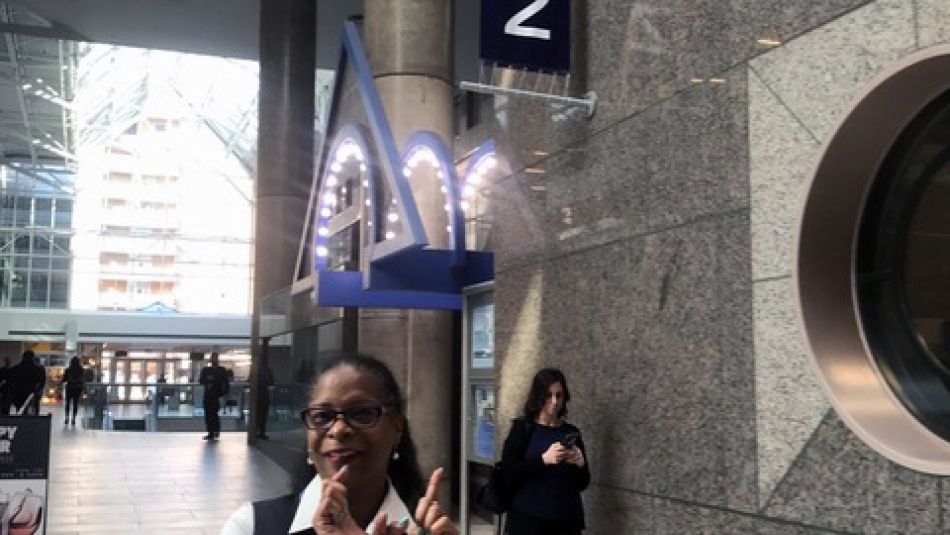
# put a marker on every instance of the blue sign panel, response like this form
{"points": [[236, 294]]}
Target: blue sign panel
{"points": [[532, 34]]}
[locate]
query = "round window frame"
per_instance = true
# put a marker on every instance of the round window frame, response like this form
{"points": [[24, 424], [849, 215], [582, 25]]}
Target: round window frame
{"points": [[825, 266]]}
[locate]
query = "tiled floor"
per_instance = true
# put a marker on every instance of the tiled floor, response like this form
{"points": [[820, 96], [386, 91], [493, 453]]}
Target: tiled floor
{"points": [[155, 483], [150, 483]]}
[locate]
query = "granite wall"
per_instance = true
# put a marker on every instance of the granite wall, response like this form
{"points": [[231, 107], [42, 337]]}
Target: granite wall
{"points": [[648, 253]]}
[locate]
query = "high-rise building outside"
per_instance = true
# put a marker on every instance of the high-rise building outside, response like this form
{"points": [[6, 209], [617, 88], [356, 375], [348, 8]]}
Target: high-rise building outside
{"points": [[163, 211]]}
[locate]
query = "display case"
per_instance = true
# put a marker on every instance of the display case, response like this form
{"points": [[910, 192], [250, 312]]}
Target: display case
{"points": [[479, 403]]}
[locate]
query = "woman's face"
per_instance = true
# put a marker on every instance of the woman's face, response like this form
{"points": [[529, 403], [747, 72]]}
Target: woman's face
{"points": [[553, 400], [365, 451]]}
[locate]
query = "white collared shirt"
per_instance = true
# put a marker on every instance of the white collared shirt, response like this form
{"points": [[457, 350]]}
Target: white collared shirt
{"points": [[242, 521]]}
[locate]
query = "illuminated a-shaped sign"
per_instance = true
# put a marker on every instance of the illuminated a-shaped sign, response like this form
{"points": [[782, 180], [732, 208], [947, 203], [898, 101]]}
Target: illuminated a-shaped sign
{"points": [[369, 243]]}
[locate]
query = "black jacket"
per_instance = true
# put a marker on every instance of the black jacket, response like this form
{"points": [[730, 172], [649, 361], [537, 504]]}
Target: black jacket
{"points": [[215, 381], [24, 379], [73, 378], [516, 470], [274, 516]]}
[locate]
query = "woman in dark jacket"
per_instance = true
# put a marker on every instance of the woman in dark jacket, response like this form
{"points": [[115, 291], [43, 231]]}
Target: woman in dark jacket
{"points": [[73, 379], [544, 463]]}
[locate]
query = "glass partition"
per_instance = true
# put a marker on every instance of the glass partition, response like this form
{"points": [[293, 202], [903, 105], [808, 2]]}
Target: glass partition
{"points": [[166, 407], [478, 403]]}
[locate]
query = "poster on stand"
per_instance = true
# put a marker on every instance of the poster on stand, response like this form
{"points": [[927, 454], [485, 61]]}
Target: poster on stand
{"points": [[24, 474]]}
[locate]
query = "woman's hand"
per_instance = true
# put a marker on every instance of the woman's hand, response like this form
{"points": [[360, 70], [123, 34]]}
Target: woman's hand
{"points": [[333, 515], [576, 457], [429, 516], [381, 526], [555, 454]]}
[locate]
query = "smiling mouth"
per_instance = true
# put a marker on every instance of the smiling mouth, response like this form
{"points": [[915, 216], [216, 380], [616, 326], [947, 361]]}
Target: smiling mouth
{"points": [[338, 458]]}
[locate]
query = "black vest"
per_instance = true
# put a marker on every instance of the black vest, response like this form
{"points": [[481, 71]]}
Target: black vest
{"points": [[274, 516]]}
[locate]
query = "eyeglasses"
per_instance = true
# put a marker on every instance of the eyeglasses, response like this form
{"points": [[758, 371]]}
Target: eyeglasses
{"points": [[362, 417]]}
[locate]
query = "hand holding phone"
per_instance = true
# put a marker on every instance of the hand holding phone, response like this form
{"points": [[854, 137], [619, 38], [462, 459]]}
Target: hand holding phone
{"points": [[569, 440]]}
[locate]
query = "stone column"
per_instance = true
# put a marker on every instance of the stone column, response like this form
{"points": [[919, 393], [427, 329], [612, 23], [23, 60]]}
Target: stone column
{"points": [[409, 44], [284, 152]]}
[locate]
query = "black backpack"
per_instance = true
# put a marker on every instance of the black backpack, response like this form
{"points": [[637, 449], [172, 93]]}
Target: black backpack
{"points": [[493, 496]]}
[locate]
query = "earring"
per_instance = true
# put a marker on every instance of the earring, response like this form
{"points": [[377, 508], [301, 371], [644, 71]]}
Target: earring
{"points": [[309, 458], [395, 455]]}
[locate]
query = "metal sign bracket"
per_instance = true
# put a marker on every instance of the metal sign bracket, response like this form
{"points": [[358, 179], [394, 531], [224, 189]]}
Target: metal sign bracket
{"points": [[517, 88]]}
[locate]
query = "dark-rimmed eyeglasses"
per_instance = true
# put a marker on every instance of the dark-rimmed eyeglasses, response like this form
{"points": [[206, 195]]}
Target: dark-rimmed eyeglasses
{"points": [[361, 417]]}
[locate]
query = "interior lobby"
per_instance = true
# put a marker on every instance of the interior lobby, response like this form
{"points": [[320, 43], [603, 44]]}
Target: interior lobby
{"points": [[724, 222]]}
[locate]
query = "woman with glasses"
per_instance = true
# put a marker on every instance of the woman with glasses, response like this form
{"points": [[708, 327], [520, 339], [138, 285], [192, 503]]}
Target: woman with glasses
{"points": [[367, 478], [543, 463]]}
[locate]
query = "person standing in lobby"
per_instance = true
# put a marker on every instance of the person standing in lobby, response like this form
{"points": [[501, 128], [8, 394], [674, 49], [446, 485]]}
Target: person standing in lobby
{"points": [[5, 374], [544, 463], [214, 379], [26, 378], [75, 382]]}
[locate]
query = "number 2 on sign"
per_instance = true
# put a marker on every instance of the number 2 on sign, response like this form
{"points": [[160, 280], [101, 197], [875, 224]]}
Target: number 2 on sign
{"points": [[514, 24]]}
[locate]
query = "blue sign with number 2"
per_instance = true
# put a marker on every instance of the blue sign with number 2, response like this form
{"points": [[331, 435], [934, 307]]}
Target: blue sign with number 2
{"points": [[529, 34]]}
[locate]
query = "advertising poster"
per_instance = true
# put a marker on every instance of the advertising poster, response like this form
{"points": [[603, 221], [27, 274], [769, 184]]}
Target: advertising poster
{"points": [[485, 442], [24, 474]]}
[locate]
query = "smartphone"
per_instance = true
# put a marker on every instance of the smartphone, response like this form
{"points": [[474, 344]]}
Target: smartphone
{"points": [[569, 440]]}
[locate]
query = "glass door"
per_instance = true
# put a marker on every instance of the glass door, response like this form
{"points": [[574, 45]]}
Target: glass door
{"points": [[135, 379], [143, 374], [121, 367]]}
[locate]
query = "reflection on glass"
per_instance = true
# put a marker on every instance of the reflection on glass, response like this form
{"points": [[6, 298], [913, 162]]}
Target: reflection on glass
{"points": [[342, 248], [902, 265], [927, 265]]}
